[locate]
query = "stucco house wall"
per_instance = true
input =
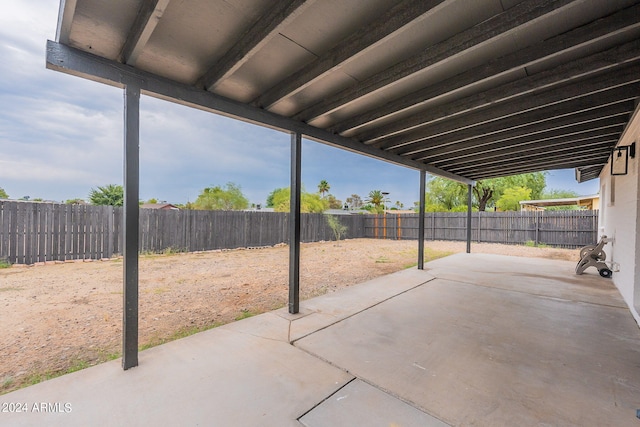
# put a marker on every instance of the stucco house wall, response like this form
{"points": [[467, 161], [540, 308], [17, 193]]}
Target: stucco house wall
{"points": [[620, 220]]}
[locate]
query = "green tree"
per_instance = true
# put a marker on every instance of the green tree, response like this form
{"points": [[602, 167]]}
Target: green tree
{"points": [[354, 202], [443, 195], [111, 194], [483, 190], [432, 207], [312, 203], [309, 202], [229, 198], [333, 202], [447, 194], [511, 197], [376, 200], [270, 203], [323, 187], [3, 194], [489, 190]]}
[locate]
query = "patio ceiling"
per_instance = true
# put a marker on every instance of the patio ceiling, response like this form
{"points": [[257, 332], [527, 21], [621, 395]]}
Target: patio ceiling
{"points": [[465, 89]]}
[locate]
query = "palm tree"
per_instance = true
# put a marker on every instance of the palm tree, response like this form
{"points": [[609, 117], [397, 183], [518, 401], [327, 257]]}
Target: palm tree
{"points": [[323, 187], [376, 198]]}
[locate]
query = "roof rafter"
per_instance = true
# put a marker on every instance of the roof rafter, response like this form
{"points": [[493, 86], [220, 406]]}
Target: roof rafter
{"points": [[359, 42], [587, 154], [610, 115], [565, 145], [573, 96], [148, 16], [613, 25], [556, 115], [571, 161], [520, 14], [597, 64], [504, 150], [278, 16]]}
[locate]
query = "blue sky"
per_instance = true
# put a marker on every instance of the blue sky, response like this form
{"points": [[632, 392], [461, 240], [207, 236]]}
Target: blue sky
{"points": [[61, 136]]}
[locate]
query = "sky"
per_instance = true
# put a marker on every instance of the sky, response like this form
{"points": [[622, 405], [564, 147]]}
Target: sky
{"points": [[61, 136]]}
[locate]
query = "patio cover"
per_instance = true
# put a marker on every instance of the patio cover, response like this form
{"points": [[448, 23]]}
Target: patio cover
{"points": [[466, 90]]}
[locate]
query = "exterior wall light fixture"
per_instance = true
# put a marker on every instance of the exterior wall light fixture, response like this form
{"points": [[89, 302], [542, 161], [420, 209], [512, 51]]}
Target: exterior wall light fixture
{"points": [[620, 159]]}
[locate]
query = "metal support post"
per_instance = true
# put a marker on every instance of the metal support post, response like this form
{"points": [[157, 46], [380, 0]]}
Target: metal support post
{"points": [[423, 177], [294, 224], [469, 200], [131, 215]]}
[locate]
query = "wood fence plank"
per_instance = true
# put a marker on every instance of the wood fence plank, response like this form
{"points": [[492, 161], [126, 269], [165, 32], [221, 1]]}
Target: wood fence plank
{"points": [[5, 222], [31, 232]]}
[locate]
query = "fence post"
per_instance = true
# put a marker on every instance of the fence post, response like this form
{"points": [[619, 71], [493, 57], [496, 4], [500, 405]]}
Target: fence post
{"points": [[384, 225], [537, 229], [433, 226], [375, 226], [109, 232]]}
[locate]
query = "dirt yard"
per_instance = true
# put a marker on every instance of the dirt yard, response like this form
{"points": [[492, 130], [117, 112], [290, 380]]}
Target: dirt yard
{"points": [[61, 317]]}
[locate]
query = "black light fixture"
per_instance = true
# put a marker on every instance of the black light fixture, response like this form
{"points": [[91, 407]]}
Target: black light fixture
{"points": [[385, 199], [620, 159]]}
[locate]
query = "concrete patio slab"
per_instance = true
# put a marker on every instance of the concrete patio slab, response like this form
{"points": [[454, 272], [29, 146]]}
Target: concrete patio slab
{"points": [[479, 340], [318, 313], [477, 355], [360, 404], [215, 378], [544, 277]]}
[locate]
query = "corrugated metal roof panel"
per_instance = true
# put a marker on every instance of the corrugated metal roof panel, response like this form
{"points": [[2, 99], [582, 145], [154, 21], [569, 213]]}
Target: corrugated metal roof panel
{"points": [[473, 89]]}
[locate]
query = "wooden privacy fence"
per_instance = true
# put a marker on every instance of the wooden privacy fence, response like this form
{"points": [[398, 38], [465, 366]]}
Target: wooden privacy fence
{"points": [[36, 232], [566, 229]]}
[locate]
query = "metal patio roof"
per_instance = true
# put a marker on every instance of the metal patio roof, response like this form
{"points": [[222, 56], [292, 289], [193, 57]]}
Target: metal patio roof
{"points": [[468, 89]]}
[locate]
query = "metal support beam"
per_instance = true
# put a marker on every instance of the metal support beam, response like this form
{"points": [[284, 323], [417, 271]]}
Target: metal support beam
{"points": [[131, 214], [469, 199], [72, 61], [294, 224], [423, 176]]}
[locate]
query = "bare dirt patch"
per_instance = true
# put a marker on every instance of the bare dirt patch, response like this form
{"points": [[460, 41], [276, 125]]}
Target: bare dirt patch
{"points": [[64, 316]]}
